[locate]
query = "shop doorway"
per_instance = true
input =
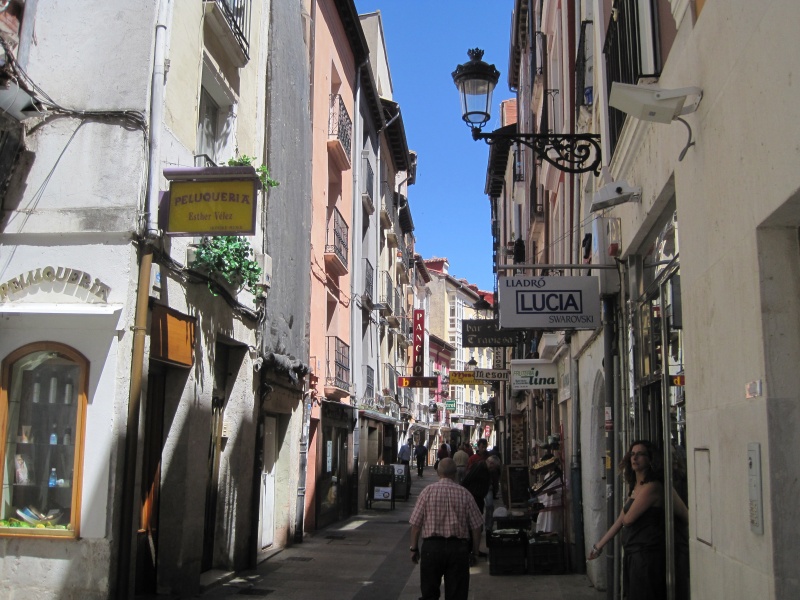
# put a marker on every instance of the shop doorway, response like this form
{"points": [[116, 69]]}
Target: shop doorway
{"points": [[227, 361], [266, 516], [333, 480], [658, 411], [331, 486]]}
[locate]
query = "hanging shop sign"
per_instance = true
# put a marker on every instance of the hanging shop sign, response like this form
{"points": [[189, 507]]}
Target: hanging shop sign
{"points": [[210, 201], [418, 382], [534, 374], [483, 333], [549, 302], [417, 352], [450, 405], [463, 378], [492, 374]]}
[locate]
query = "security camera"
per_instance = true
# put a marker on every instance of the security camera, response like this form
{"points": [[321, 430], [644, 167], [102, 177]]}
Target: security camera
{"points": [[649, 103], [616, 192]]}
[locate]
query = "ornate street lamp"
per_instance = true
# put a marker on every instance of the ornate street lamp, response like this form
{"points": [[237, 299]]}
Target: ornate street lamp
{"points": [[483, 309], [572, 153]]}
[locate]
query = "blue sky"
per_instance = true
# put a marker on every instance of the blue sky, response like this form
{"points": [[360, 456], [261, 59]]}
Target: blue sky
{"points": [[425, 41]]}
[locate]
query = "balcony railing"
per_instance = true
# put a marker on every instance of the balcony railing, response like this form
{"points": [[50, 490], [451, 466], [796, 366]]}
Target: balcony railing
{"points": [[369, 283], [399, 305], [236, 14], [395, 300], [337, 373], [387, 292], [204, 160], [368, 186], [340, 126], [369, 389], [387, 204], [336, 242]]}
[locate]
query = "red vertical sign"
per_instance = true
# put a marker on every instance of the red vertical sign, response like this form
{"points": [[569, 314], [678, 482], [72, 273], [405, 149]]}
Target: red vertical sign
{"points": [[418, 351]]}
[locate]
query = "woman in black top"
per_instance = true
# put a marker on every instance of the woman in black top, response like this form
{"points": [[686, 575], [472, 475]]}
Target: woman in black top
{"points": [[642, 523]]}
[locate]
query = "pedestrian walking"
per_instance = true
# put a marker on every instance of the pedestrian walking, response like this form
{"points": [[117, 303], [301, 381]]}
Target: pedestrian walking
{"points": [[461, 457], [445, 518], [421, 454], [404, 454], [480, 455], [443, 452], [479, 482]]}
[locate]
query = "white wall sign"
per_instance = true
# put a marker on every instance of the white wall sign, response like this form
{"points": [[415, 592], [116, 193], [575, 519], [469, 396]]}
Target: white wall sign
{"points": [[549, 302], [534, 374], [53, 276]]}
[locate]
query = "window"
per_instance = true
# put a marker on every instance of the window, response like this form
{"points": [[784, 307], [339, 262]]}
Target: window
{"points": [[216, 119], [42, 410], [207, 129]]}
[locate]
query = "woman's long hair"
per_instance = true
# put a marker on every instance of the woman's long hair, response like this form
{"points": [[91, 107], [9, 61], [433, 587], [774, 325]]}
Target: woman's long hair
{"points": [[654, 473]]}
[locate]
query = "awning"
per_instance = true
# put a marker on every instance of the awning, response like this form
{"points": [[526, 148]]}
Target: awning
{"points": [[376, 416]]}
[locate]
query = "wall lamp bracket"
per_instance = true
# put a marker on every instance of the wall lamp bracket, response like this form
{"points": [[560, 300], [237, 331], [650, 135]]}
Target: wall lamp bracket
{"points": [[476, 80], [571, 153]]}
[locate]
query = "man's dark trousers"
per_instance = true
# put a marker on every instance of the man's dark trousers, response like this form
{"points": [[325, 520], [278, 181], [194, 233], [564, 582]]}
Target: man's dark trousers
{"points": [[448, 558]]}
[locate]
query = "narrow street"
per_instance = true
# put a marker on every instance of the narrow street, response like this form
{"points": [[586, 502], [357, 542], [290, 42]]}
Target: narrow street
{"points": [[366, 557]]}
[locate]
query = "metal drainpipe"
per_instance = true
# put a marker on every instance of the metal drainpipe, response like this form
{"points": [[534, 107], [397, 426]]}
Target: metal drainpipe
{"points": [[124, 563], [358, 272]]}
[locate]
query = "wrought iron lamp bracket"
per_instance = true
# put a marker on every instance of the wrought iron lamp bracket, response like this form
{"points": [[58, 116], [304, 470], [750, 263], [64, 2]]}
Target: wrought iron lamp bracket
{"points": [[571, 153]]}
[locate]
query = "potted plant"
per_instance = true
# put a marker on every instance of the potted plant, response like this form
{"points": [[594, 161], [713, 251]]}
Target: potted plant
{"points": [[263, 171], [229, 260]]}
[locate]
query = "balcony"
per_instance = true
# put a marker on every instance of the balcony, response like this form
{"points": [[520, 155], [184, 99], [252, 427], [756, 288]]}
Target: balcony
{"points": [[387, 205], [230, 22], [391, 237], [399, 310], [401, 268], [340, 133], [336, 242], [368, 297], [337, 368], [404, 335], [369, 388], [391, 381], [386, 300], [368, 186]]}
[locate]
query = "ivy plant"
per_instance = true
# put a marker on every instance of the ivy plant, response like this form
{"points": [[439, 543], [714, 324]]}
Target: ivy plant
{"points": [[263, 171], [229, 258]]}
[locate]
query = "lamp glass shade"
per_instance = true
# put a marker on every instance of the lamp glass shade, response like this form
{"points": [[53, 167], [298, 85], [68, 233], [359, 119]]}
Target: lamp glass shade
{"points": [[476, 81], [476, 100]]}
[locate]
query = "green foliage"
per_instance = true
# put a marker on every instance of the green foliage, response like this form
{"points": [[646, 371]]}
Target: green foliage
{"points": [[230, 258], [263, 171]]}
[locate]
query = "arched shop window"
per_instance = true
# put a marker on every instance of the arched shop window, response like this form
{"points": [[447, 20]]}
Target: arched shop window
{"points": [[42, 415]]}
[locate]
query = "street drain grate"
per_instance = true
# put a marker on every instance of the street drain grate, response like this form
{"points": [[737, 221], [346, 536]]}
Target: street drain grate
{"points": [[299, 558], [254, 592], [334, 536]]}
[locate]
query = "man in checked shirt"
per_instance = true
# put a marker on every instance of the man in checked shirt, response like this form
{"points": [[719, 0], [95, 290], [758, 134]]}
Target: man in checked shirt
{"points": [[447, 519]]}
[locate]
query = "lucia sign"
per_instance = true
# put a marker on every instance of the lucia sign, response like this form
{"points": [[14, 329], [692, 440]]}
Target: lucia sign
{"points": [[549, 302], [534, 374]]}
